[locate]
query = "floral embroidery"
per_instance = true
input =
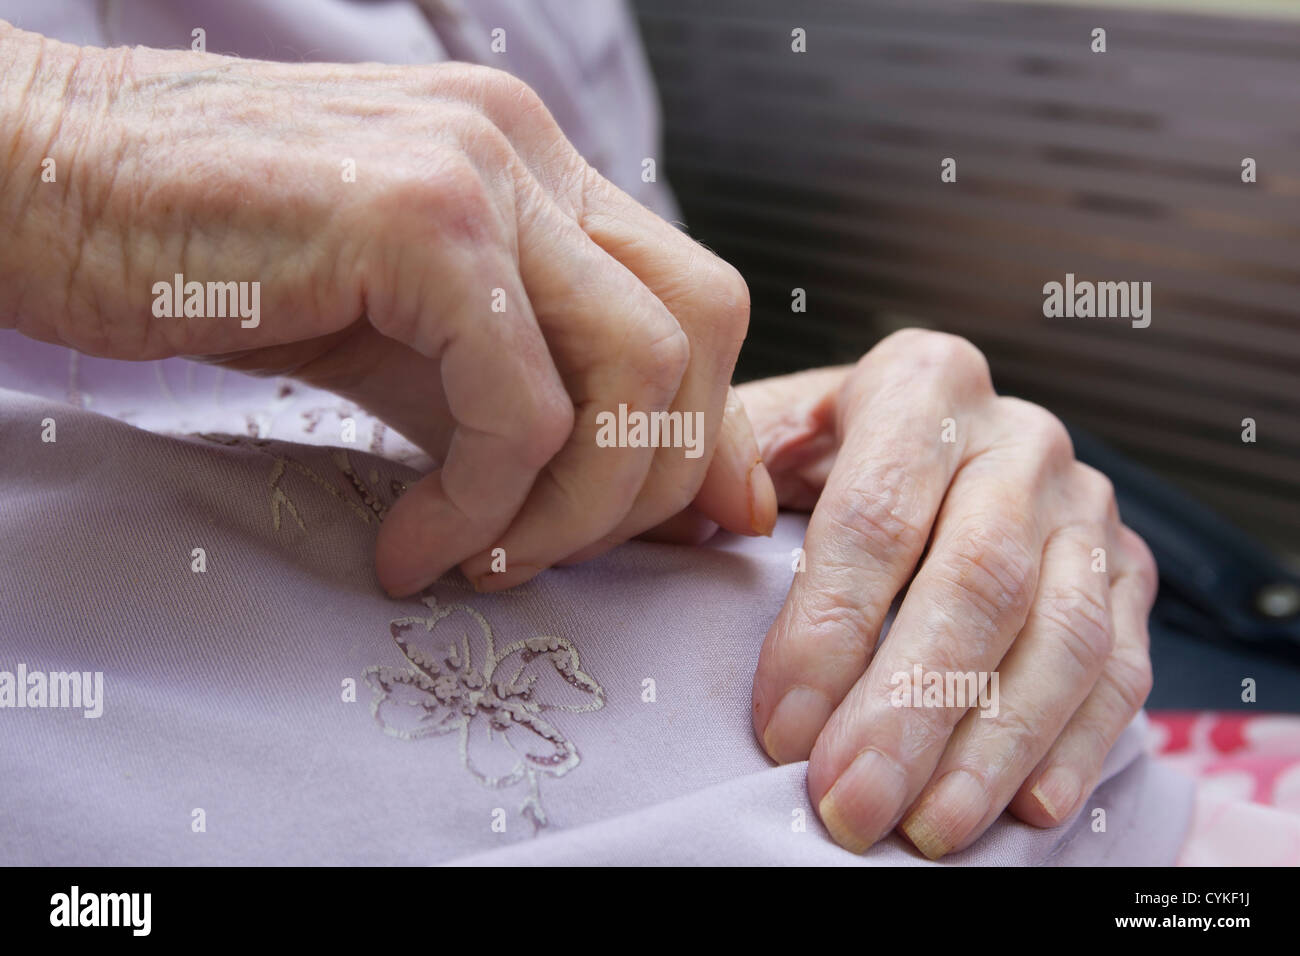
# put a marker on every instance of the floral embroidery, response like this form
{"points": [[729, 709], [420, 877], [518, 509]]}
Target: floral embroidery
{"points": [[498, 702], [371, 501]]}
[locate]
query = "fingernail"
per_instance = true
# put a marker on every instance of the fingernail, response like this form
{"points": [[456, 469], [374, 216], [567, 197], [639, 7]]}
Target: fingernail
{"points": [[793, 727], [515, 574], [475, 568], [1057, 791], [762, 499], [860, 808], [947, 815]]}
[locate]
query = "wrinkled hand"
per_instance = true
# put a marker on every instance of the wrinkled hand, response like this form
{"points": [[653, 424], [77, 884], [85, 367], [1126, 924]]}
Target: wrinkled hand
{"points": [[388, 288], [1012, 558]]}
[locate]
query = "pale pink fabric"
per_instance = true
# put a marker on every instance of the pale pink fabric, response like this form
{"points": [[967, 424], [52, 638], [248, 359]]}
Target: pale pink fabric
{"points": [[618, 727]]}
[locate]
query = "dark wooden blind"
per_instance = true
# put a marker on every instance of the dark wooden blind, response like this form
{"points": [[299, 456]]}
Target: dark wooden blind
{"points": [[821, 171]]}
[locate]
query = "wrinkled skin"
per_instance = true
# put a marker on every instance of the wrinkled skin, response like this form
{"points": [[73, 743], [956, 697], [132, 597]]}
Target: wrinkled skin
{"points": [[466, 197], [996, 537]]}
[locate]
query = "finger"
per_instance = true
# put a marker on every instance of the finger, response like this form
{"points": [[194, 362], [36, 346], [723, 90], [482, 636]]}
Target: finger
{"points": [[687, 527], [794, 419], [618, 348], [968, 602], [1072, 767], [868, 530], [511, 411], [708, 298], [711, 303], [754, 511], [1026, 701]]}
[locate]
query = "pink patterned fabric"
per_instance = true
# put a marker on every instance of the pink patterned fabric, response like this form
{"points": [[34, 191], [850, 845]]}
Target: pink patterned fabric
{"points": [[1248, 785]]}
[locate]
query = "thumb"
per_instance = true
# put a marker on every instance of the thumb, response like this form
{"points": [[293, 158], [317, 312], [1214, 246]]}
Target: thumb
{"points": [[737, 493]]}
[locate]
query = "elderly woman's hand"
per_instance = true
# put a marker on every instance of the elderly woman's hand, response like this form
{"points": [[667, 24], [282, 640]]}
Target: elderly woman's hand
{"points": [[425, 241], [1010, 557]]}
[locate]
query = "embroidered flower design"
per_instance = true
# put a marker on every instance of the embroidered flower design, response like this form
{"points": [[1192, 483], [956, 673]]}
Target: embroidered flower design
{"points": [[367, 498], [498, 702]]}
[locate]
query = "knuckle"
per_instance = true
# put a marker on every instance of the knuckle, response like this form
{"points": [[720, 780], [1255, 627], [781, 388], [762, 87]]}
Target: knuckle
{"points": [[458, 75], [484, 139], [1096, 492], [1144, 566], [683, 491], [719, 301], [1095, 732], [672, 485], [732, 313], [517, 113], [835, 631], [955, 359], [1039, 427], [663, 362], [1019, 730], [1131, 676], [1081, 622], [475, 82], [451, 199], [509, 92], [498, 99], [575, 494], [993, 571], [545, 431], [929, 728], [876, 522]]}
